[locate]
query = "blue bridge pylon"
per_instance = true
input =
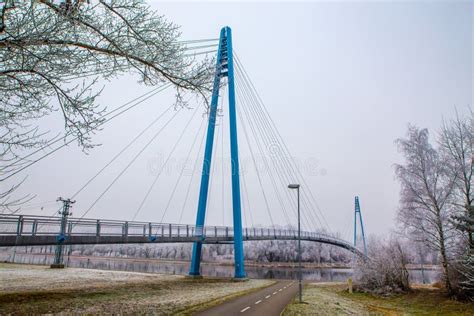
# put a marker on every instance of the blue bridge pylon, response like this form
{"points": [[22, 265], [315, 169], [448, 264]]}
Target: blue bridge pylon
{"points": [[357, 211], [224, 68]]}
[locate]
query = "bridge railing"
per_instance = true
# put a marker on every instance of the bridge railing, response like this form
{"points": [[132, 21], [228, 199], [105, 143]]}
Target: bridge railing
{"points": [[281, 232], [27, 225]]}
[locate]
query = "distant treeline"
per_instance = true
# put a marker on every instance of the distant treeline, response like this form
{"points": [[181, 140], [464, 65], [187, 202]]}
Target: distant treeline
{"points": [[257, 251]]}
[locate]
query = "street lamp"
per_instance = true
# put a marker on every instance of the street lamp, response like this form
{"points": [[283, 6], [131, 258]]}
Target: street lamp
{"points": [[297, 187]]}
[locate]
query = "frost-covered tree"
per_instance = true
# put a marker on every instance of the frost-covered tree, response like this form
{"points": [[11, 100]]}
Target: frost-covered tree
{"points": [[53, 53], [385, 271], [456, 142], [426, 193]]}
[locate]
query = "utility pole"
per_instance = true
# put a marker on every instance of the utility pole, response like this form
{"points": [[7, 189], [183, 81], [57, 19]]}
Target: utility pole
{"points": [[300, 287], [58, 256]]}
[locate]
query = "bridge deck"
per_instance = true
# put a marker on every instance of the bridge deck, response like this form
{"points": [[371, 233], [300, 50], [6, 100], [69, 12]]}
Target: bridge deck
{"points": [[25, 230]]}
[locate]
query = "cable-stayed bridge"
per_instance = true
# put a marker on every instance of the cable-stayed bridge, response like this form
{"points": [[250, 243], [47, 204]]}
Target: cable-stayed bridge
{"points": [[262, 190], [24, 230]]}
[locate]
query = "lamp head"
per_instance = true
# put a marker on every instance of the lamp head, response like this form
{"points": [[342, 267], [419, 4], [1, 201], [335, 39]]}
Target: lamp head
{"points": [[293, 186]]}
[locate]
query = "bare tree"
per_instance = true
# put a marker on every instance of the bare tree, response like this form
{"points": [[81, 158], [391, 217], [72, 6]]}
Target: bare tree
{"points": [[426, 192], [53, 53], [456, 145]]}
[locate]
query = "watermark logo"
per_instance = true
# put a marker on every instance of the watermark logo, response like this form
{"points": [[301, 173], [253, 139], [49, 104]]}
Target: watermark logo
{"points": [[160, 164]]}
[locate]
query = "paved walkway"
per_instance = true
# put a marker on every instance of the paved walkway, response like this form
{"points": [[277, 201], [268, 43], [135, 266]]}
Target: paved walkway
{"points": [[268, 301]]}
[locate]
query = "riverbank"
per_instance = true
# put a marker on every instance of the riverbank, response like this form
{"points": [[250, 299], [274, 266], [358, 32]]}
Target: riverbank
{"points": [[308, 265], [334, 299], [31, 289], [6, 257], [314, 273]]}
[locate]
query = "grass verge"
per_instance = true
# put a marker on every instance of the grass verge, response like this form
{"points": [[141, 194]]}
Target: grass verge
{"points": [[40, 290], [334, 299]]}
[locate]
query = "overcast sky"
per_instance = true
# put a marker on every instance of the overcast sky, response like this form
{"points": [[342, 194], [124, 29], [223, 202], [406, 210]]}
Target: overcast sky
{"points": [[341, 81]]}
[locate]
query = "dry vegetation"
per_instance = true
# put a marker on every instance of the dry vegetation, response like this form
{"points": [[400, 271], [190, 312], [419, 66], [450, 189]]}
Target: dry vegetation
{"points": [[334, 299], [26, 289]]}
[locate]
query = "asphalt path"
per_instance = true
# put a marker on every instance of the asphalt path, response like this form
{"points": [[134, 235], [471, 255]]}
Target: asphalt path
{"points": [[268, 301]]}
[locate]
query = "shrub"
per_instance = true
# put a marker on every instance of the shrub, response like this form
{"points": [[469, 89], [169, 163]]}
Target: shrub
{"points": [[384, 271]]}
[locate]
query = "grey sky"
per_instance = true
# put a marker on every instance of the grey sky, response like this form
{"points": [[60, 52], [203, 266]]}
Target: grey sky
{"points": [[341, 80]]}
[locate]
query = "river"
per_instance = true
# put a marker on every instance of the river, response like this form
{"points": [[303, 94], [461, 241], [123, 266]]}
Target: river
{"points": [[207, 269]]}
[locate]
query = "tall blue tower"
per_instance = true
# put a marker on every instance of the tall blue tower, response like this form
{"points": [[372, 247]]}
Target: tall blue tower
{"points": [[357, 211], [224, 68]]}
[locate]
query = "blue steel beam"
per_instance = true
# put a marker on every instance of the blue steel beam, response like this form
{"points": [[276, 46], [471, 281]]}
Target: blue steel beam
{"points": [[234, 152], [224, 67], [206, 168], [358, 212]]}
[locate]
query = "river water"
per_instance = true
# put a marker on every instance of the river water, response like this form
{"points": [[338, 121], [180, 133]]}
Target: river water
{"points": [[207, 269]]}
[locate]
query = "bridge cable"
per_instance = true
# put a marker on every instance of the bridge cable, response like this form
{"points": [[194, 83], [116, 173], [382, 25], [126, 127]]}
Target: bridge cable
{"points": [[262, 131], [198, 40], [123, 149], [182, 47], [244, 209], [255, 127], [199, 47], [163, 166], [131, 162], [188, 190], [249, 207], [125, 67], [101, 60], [93, 72], [239, 115], [282, 174], [182, 169], [153, 92], [213, 164], [277, 135], [284, 183], [118, 154], [252, 127], [262, 134], [121, 62], [262, 106], [259, 176]]}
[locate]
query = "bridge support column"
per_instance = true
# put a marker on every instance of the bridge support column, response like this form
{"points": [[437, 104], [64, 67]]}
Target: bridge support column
{"points": [[206, 168], [358, 211], [224, 67], [234, 153]]}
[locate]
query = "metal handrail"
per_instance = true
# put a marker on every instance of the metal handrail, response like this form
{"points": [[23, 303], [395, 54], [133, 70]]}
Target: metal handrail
{"points": [[37, 225]]}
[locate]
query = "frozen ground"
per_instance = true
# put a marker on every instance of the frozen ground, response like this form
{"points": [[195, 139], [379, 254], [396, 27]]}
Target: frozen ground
{"points": [[38, 289], [327, 299], [18, 278], [321, 301]]}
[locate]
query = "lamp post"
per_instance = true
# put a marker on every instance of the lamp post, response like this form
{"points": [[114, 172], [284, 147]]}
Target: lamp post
{"points": [[297, 187]]}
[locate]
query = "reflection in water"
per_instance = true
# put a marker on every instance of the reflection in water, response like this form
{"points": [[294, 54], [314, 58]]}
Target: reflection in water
{"points": [[214, 270]]}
